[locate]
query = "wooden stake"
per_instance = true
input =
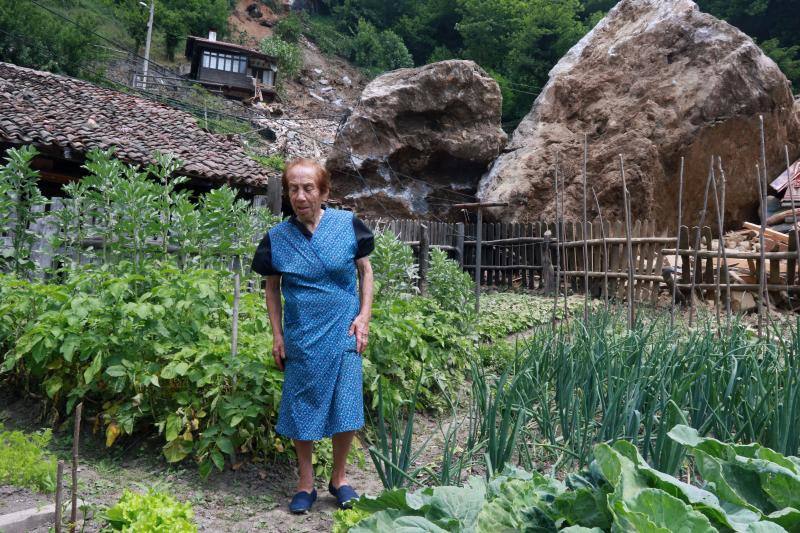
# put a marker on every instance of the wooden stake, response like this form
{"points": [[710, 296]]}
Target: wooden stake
{"points": [[762, 176], [762, 261], [59, 494], [235, 311], [76, 435], [764, 193], [694, 265], [724, 251], [478, 229], [422, 281], [605, 249], [677, 245], [720, 251], [558, 245], [628, 244], [585, 234], [794, 212]]}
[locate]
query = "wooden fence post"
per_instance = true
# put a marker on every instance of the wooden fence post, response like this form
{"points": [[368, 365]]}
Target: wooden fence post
{"points": [[458, 243], [422, 281], [548, 275], [274, 195]]}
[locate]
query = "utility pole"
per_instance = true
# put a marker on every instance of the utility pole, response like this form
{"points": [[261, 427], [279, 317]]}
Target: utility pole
{"points": [[147, 42]]}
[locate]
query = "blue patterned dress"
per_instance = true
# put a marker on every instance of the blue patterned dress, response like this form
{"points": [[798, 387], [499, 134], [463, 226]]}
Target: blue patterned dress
{"points": [[322, 390]]}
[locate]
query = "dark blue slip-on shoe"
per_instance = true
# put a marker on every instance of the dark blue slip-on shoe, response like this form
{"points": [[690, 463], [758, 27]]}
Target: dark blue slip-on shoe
{"points": [[345, 495], [302, 501]]}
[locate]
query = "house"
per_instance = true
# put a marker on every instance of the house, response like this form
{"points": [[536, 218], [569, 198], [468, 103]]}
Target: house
{"points": [[235, 70], [65, 117]]}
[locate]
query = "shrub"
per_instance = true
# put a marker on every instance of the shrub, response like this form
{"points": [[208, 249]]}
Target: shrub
{"points": [[24, 462], [289, 56], [378, 51], [323, 31], [393, 265], [153, 512], [289, 28]]}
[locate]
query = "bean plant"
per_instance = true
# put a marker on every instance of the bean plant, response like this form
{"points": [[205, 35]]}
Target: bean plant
{"points": [[22, 204]]}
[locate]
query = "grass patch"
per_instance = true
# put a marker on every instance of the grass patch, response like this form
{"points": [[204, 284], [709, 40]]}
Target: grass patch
{"points": [[24, 461]]}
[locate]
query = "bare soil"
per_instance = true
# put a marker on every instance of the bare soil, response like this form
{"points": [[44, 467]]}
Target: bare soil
{"points": [[252, 498]]}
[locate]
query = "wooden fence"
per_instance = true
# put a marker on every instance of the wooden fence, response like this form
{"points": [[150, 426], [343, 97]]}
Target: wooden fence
{"points": [[533, 255]]}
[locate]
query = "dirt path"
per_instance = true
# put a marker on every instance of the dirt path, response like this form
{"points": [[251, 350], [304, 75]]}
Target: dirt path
{"points": [[253, 498]]}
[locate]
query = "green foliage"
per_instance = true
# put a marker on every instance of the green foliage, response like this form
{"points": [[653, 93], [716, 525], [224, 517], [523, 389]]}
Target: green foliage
{"points": [[449, 285], [20, 193], [33, 37], [121, 207], [378, 51], [289, 28], [153, 512], [272, 161], [156, 357], [744, 488], [323, 31], [505, 313], [175, 19], [787, 58], [24, 461], [289, 57], [393, 266]]}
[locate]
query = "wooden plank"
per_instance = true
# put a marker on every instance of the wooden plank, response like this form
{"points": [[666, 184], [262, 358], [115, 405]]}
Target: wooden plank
{"points": [[768, 233]]}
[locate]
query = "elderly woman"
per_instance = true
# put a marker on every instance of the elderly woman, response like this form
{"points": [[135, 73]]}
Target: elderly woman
{"points": [[312, 259]]}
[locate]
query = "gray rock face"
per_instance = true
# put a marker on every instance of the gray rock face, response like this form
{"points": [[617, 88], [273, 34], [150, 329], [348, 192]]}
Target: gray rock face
{"points": [[417, 139], [654, 80]]}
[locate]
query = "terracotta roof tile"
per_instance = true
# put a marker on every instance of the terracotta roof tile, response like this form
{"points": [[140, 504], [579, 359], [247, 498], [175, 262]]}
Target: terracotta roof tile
{"points": [[49, 109]]}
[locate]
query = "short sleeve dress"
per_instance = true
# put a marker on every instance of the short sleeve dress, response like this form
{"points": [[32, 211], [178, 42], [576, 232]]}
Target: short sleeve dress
{"points": [[322, 389]]}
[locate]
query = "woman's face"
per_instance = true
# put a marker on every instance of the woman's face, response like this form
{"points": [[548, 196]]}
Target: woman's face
{"points": [[304, 195]]}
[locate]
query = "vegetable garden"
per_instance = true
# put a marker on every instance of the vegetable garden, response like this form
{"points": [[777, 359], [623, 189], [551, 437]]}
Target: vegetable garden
{"points": [[535, 419]]}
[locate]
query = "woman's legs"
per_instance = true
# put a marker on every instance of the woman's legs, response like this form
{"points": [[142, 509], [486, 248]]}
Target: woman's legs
{"points": [[341, 447], [304, 448]]}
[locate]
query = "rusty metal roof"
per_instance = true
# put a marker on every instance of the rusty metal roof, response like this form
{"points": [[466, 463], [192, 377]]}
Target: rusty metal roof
{"points": [[46, 109]]}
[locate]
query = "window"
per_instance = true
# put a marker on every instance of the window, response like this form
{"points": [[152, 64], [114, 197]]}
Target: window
{"points": [[224, 62], [268, 77]]}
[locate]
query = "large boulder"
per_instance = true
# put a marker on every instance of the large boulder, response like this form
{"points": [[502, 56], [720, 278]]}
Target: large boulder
{"points": [[654, 80], [418, 140]]}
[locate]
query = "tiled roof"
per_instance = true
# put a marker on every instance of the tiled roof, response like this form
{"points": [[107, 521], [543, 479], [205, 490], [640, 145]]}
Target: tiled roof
{"points": [[47, 109]]}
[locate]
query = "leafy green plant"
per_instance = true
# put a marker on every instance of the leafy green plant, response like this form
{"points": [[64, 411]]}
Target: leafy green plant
{"points": [[22, 195], [331, 41], [152, 512], [749, 488], [289, 28], [393, 452], [289, 57], [24, 461], [393, 265], [378, 51], [449, 285]]}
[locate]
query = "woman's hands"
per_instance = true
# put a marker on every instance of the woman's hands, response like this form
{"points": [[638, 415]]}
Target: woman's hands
{"points": [[360, 327], [278, 351]]}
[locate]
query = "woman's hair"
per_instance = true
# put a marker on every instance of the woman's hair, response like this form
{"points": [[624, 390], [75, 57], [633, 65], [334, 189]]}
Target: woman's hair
{"points": [[321, 176]]}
